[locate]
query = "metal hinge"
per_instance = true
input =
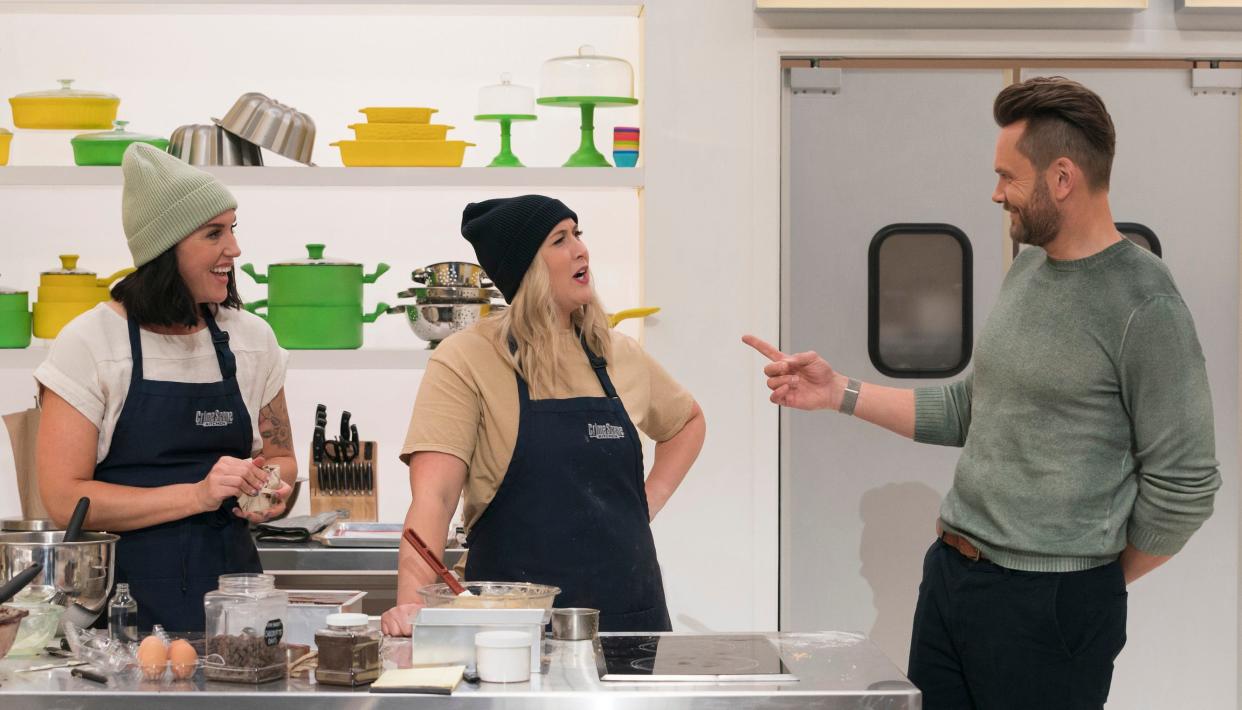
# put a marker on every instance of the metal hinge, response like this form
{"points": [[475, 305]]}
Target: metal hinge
{"points": [[814, 80], [1213, 79]]}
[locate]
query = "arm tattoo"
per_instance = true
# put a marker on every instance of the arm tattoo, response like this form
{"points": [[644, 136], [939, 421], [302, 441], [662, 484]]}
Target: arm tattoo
{"points": [[274, 424]]}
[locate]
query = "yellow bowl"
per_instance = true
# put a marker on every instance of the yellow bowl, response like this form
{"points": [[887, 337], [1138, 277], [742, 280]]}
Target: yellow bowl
{"points": [[400, 131], [61, 113], [402, 154], [5, 140], [398, 114]]}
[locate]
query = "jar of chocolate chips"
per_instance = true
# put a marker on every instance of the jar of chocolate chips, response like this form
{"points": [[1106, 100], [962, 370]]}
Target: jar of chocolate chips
{"points": [[246, 629], [349, 651]]}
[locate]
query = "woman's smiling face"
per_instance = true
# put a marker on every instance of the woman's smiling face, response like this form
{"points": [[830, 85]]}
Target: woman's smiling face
{"points": [[205, 258]]}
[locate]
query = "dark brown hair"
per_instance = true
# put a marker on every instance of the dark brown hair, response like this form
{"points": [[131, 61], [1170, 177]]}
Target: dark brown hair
{"points": [[156, 294], [1063, 119]]}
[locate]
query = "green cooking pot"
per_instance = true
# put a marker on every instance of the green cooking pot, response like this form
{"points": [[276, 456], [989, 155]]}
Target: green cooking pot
{"points": [[316, 327], [315, 281], [14, 318], [108, 147]]}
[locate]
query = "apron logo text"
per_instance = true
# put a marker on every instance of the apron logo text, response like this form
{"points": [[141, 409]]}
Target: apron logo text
{"points": [[605, 431], [213, 418]]}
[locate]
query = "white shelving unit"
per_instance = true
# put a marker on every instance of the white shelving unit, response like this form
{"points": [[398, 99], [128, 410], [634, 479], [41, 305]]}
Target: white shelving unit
{"points": [[615, 8], [414, 358], [561, 178]]}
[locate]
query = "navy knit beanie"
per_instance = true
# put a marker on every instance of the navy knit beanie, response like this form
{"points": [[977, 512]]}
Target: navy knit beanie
{"points": [[506, 234]]}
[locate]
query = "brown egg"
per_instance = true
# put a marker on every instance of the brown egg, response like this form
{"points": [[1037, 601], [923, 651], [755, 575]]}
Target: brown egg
{"points": [[152, 658], [183, 658]]}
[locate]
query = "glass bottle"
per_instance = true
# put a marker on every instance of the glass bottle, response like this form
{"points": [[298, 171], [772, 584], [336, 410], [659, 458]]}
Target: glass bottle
{"points": [[123, 615]]}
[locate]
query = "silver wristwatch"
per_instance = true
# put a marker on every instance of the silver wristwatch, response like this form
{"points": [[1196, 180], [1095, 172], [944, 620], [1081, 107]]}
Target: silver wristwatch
{"points": [[850, 397]]}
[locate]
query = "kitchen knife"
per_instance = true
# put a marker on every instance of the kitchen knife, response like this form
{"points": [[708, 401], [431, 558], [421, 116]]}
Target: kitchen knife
{"points": [[344, 440]]}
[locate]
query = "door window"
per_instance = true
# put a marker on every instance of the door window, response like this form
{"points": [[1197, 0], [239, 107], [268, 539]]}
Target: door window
{"points": [[919, 300]]}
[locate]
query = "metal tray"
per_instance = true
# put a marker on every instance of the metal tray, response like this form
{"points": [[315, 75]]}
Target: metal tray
{"points": [[347, 534]]}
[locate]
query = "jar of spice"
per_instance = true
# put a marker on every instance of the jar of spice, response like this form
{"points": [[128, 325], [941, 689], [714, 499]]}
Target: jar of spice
{"points": [[349, 651], [245, 629]]}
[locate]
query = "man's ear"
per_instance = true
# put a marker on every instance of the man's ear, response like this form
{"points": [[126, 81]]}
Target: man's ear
{"points": [[1065, 177]]}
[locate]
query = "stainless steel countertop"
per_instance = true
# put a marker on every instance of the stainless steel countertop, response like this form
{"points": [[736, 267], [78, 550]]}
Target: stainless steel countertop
{"points": [[836, 671], [311, 556]]}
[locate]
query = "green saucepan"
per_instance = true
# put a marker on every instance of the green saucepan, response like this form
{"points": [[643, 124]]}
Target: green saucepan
{"points": [[14, 318], [316, 327], [316, 281]]}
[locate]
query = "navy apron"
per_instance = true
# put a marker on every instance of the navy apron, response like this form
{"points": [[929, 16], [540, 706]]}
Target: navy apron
{"points": [[169, 433], [572, 511]]}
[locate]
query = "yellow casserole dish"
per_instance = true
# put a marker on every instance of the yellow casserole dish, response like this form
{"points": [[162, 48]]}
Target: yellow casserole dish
{"points": [[400, 131], [65, 107], [398, 114], [5, 139], [403, 154]]}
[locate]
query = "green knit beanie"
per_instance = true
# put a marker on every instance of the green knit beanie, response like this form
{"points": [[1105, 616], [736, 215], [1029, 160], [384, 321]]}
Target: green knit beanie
{"points": [[164, 200]]}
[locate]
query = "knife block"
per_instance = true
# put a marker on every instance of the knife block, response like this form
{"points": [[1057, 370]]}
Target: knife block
{"points": [[338, 487]]}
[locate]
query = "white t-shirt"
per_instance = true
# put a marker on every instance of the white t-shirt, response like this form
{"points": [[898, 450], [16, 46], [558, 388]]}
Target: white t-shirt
{"points": [[89, 364]]}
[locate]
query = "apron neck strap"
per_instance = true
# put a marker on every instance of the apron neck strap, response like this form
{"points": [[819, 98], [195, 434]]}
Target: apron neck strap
{"points": [[598, 364], [219, 341]]}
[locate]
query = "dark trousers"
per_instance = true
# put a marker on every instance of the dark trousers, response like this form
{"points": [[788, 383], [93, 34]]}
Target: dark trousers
{"points": [[990, 638]]}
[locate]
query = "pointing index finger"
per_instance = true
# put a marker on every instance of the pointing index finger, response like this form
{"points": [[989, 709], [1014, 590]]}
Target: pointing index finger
{"points": [[764, 348]]}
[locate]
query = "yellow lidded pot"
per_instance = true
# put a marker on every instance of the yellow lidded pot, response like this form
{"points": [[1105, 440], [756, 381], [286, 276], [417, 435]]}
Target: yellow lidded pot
{"points": [[5, 139], [68, 292], [64, 108]]}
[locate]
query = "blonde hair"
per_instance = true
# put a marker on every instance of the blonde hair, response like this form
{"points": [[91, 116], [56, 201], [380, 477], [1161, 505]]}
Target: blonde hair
{"points": [[533, 323]]}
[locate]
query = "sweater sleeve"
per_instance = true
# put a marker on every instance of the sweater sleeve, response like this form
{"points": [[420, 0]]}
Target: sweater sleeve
{"points": [[942, 413], [1164, 388]]}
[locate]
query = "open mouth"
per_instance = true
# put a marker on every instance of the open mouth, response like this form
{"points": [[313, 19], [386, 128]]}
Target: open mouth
{"points": [[222, 273], [582, 276]]}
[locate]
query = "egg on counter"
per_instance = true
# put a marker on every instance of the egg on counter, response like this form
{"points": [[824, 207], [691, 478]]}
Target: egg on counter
{"points": [[183, 657], [153, 657]]}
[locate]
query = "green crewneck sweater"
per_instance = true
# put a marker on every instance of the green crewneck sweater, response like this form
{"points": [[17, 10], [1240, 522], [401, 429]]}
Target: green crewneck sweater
{"points": [[1087, 421]]}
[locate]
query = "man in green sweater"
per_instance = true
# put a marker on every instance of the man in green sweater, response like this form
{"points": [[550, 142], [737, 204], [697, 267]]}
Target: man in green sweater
{"points": [[1088, 456]]}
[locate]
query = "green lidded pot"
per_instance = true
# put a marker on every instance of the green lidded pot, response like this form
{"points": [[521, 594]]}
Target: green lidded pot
{"points": [[108, 147], [14, 318], [315, 281], [317, 327]]}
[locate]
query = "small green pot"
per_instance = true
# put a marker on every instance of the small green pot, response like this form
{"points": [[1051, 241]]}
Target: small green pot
{"points": [[108, 147], [315, 281], [14, 329], [316, 327]]}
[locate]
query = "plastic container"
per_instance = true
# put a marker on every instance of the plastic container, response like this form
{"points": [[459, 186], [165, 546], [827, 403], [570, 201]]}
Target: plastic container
{"points": [[65, 107], [245, 629], [398, 114], [349, 651], [409, 154], [503, 656], [108, 147], [6, 138], [586, 74]]}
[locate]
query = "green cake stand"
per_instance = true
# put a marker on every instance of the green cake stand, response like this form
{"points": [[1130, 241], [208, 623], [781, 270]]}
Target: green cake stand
{"points": [[505, 158], [587, 156]]}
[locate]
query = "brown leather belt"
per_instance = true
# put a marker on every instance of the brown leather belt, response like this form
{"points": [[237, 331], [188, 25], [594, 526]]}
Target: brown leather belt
{"points": [[959, 543]]}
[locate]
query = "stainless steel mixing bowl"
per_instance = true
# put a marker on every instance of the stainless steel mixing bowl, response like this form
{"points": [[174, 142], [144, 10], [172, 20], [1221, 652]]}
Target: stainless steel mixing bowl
{"points": [[434, 322], [76, 575]]}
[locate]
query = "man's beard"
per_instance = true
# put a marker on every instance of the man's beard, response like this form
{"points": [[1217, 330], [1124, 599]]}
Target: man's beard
{"points": [[1040, 220]]}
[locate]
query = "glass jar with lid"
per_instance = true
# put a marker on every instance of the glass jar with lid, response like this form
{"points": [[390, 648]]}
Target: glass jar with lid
{"points": [[245, 629], [349, 651]]}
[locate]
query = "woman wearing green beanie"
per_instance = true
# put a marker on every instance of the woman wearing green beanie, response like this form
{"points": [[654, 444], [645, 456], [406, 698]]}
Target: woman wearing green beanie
{"points": [[533, 418], [163, 404]]}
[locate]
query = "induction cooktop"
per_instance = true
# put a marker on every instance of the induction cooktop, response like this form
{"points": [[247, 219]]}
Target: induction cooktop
{"points": [[691, 658]]}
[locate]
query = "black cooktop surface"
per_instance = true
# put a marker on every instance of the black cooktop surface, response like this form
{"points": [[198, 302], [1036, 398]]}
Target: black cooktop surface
{"points": [[725, 657]]}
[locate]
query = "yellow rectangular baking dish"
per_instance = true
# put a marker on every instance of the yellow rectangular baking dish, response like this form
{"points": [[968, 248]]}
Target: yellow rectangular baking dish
{"points": [[402, 154], [398, 114], [400, 131]]}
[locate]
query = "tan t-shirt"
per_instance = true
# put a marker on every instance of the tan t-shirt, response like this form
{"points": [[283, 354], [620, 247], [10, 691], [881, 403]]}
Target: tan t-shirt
{"points": [[468, 406]]}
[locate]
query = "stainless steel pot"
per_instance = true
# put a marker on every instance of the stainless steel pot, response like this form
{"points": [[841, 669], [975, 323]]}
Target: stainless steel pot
{"points": [[434, 322], [209, 144], [76, 575], [452, 273], [272, 125]]}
